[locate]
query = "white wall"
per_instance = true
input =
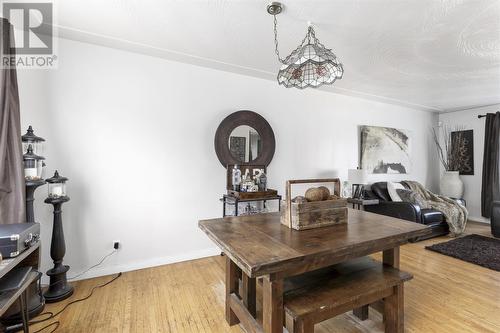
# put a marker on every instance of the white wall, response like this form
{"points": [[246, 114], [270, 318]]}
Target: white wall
{"points": [[472, 184], [134, 134]]}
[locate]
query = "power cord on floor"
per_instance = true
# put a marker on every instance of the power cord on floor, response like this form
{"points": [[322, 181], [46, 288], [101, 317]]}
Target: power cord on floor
{"points": [[53, 315], [94, 266], [56, 324], [85, 271]]}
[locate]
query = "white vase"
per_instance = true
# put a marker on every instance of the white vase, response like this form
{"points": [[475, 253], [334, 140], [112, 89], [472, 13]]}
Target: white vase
{"points": [[451, 185]]}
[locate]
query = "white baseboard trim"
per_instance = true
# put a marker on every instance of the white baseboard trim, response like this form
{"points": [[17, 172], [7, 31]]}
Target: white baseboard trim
{"points": [[479, 219], [153, 262]]}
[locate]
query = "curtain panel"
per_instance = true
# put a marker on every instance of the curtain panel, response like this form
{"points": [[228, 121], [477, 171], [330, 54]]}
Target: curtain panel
{"points": [[490, 190], [12, 186]]}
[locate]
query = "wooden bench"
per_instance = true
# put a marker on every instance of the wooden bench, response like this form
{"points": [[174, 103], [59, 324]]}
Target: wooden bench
{"points": [[320, 295]]}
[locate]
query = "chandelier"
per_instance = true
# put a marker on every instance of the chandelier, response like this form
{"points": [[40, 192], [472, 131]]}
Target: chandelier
{"points": [[311, 64]]}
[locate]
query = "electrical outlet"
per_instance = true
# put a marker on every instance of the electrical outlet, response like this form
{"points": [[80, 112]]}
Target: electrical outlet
{"points": [[116, 244]]}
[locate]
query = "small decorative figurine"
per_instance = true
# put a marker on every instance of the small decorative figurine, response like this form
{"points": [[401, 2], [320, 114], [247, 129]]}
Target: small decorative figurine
{"points": [[254, 188], [247, 185], [346, 189], [236, 178], [262, 182]]}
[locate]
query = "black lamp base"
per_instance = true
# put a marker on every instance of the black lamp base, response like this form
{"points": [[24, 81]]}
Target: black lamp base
{"points": [[59, 288], [62, 294]]}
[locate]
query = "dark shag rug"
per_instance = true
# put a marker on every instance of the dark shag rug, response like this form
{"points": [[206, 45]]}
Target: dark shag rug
{"points": [[477, 249]]}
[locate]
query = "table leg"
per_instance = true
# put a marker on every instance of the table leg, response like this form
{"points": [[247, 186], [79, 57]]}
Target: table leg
{"points": [[223, 207], [393, 306], [26, 310], [391, 257], [231, 287], [23, 304], [394, 311], [272, 304], [249, 295], [361, 312]]}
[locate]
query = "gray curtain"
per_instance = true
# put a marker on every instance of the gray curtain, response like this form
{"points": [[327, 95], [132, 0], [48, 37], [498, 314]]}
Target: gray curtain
{"points": [[12, 188], [490, 190]]}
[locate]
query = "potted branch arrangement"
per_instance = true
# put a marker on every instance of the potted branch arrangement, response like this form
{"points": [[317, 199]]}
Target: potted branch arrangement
{"points": [[452, 155]]}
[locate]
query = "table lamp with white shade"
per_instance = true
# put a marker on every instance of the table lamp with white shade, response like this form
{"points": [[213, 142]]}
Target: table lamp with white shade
{"points": [[357, 179]]}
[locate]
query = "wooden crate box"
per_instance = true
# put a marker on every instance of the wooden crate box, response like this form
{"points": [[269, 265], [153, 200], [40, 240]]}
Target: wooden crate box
{"points": [[315, 214]]}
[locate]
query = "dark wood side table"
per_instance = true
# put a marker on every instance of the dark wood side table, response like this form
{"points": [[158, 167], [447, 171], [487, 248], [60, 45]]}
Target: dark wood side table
{"points": [[362, 202], [232, 200]]}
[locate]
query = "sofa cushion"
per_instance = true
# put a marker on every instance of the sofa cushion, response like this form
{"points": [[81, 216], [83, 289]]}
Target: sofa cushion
{"points": [[432, 216]]}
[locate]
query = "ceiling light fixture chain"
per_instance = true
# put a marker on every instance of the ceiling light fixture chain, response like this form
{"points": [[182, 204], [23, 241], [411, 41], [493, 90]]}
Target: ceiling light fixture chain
{"points": [[308, 37], [276, 39]]}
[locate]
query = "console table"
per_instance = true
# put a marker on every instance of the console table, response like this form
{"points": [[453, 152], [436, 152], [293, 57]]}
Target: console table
{"points": [[232, 200], [30, 257]]}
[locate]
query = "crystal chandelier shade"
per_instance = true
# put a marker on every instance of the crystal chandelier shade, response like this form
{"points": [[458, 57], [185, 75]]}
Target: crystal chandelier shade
{"points": [[311, 64]]}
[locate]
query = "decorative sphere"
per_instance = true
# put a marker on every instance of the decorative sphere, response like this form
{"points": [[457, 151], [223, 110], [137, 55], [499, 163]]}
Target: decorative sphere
{"points": [[314, 194], [299, 199], [334, 197], [325, 191]]}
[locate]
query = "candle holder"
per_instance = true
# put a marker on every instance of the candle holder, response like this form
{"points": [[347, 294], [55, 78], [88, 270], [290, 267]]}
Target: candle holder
{"points": [[59, 288]]}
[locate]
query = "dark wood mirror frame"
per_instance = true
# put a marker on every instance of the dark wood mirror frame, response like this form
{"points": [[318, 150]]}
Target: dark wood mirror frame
{"points": [[252, 119]]}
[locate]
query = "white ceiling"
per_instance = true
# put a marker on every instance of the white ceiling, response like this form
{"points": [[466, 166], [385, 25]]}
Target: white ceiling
{"points": [[429, 54]]}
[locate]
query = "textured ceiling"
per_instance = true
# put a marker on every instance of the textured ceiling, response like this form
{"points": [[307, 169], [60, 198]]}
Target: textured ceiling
{"points": [[429, 54]]}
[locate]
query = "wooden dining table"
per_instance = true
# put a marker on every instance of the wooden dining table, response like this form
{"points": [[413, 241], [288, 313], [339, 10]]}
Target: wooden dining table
{"points": [[260, 246]]}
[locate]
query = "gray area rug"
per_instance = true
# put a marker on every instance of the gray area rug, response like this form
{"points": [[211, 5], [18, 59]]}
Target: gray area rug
{"points": [[476, 249]]}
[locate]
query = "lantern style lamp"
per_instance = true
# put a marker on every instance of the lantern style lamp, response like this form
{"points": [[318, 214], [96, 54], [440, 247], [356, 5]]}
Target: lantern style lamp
{"points": [[33, 167], [59, 288], [57, 186], [33, 164], [36, 142]]}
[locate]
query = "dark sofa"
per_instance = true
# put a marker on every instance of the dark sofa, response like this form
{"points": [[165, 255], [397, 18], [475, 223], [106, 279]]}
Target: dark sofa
{"points": [[407, 211]]}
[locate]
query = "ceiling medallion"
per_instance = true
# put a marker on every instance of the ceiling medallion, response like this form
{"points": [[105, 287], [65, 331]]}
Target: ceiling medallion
{"points": [[311, 64]]}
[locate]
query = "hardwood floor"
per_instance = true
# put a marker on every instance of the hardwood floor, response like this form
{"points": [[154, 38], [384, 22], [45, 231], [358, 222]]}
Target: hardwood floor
{"points": [[446, 295]]}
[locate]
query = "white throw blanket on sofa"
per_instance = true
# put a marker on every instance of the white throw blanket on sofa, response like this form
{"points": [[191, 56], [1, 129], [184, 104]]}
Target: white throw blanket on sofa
{"points": [[455, 214]]}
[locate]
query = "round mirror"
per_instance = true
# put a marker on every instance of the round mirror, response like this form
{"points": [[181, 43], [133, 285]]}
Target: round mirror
{"points": [[245, 144], [244, 137]]}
